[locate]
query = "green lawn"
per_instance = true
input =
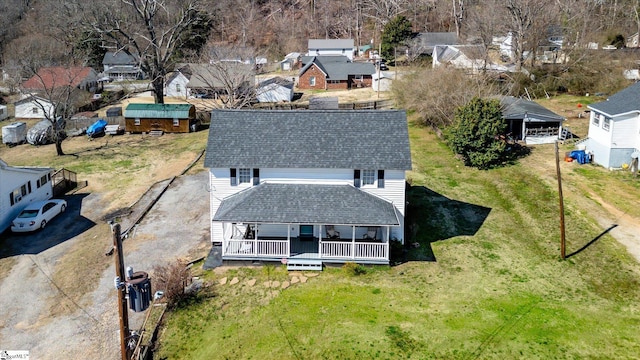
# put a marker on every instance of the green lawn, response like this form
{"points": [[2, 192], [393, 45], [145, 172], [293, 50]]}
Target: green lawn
{"points": [[496, 290]]}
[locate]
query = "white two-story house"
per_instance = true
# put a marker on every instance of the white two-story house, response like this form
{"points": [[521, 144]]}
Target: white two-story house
{"points": [[614, 128], [314, 185], [20, 186]]}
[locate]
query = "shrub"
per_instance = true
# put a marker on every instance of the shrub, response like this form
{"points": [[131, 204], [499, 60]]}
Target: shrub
{"points": [[475, 134], [172, 279], [353, 269]]}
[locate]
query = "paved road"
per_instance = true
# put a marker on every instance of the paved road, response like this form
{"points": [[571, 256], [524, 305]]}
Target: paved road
{"points": [[177, 226]]}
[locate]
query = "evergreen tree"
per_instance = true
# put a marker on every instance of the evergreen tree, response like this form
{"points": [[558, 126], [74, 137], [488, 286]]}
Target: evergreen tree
{"points": [[395, 32], [475, 133]]}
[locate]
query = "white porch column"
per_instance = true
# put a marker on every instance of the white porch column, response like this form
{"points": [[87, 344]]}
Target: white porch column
{"points": [[353, 242], [320, 241], [288, 240]]}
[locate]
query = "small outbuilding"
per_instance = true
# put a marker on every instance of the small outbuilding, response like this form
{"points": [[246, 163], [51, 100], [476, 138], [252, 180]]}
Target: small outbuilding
{"points": [[169, 118], [3, 112], [530, 122], [14, 134]]}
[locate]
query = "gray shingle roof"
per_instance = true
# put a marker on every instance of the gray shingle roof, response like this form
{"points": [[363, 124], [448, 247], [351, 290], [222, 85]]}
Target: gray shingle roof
{"points": [[334, 139], [330, 43], [325, 59], [306, 204], [119, 58], [516, 108], [337, 70], [624, 101], [430, 39]]}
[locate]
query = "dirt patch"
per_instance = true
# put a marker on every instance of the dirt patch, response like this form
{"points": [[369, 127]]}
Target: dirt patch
{"points": [[578, 192]]}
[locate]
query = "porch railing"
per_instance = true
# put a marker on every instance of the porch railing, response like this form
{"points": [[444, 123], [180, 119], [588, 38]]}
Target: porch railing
{"points": [[357, 250], [250, 247], [329, 249]]}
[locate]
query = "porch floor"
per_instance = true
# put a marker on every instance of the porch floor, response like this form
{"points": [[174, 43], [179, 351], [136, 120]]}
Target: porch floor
{"points": [[308, 248]]}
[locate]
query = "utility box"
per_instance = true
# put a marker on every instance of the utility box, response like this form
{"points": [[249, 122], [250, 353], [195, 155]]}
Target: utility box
{"points": [[139, 289], [14, 134]]}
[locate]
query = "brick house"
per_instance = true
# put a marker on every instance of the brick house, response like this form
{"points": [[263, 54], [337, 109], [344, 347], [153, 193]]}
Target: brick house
{"points": [[332, 73]]}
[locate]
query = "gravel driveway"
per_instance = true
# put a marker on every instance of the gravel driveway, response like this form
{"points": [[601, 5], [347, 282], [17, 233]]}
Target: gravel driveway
{"points": [[177, 226]]}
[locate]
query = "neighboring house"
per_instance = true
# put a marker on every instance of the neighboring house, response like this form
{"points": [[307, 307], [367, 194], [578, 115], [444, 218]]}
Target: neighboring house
{"points": [[332, 75], [3, 112], [214, 79], [176, 84], [505, 44], [48, 78], [33, 107], [329, 186], [471, 58], [305, 60], [614, 128], [20, 186], [291, 60], [530, 121], [424, 43], [121, 66], [323, 47], [169, 118], [274, 90]]}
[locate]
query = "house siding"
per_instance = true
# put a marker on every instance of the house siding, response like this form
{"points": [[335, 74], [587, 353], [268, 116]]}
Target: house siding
{"points": [[321, 80], [12, 178], [24, 110], [166, 125], [613, 148], [220, 185], [622, 129], [170, 88]]}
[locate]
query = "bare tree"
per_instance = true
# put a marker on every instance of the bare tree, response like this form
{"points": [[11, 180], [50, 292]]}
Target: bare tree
{"points": [[154, 30], [61, 86], [227, 75], [437, 104], [521, 21]]}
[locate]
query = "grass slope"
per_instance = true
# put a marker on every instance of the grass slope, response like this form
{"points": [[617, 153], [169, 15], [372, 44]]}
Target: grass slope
{"points": [[496, 289]]}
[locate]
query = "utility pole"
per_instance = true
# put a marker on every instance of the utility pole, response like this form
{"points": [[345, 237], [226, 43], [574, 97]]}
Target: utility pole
{"points": [[122, 295], [561, 200]]}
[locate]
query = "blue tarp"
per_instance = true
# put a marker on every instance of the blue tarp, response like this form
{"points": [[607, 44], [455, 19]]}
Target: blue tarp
{"points": [[97, 128], [580, 156]]}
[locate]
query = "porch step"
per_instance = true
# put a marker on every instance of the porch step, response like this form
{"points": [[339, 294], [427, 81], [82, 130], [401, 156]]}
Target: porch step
{"points": [[304, 264], [156, 133]]}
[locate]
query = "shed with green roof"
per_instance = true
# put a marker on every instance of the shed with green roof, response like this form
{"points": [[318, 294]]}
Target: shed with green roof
{"points": [[170, 118]]}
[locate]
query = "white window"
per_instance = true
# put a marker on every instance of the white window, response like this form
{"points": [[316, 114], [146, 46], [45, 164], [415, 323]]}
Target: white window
{"points": [[136, 122], [1, 111], [244, 175], [596, 119], [178, 88], [312, 81], [368, 177], [34, 110], [606, 124], [176, 122]]}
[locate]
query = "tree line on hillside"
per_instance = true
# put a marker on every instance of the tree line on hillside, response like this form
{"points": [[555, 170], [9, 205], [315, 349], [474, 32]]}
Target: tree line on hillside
{"points": [[164, 33]]}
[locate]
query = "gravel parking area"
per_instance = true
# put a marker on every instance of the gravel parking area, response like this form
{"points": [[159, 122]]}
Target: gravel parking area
{"points": [[177, 226]]}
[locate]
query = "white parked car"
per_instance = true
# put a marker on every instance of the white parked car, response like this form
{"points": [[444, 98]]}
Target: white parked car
{"points": [[36, 215]]}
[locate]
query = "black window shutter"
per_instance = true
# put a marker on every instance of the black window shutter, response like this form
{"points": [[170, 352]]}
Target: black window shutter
{"points": [[234, 180], [380, 178], [356, 178], [11, 199], [29, 186], [256, 176], [38, 183]]}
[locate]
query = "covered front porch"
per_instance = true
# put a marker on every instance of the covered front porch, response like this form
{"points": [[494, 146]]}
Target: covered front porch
{"points": [[365, 245], [331, 223]]}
